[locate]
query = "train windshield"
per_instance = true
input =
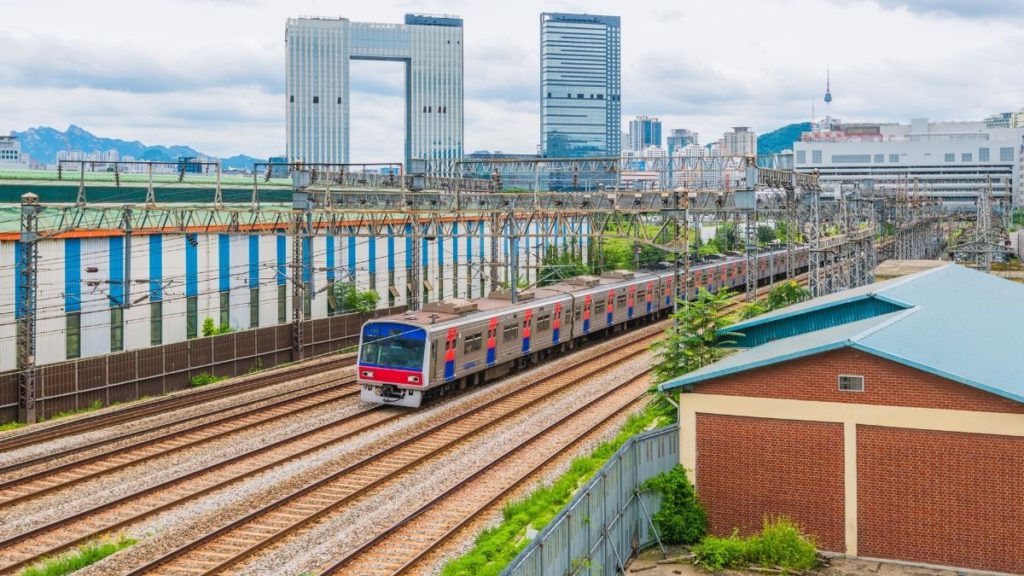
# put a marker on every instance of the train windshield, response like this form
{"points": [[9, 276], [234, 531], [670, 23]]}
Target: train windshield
{"points": [[393, 345]]}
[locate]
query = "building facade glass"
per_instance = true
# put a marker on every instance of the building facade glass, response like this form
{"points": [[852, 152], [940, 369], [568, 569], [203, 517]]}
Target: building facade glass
{"points": [[580, 85], [644, 131], [317, 79]]}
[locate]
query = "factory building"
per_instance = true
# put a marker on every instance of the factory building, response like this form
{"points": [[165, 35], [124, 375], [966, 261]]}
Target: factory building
{"points": [[887, 420], [101, 292]]}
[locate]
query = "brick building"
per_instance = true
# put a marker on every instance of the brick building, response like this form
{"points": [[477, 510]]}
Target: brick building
{"points": [[887, 420]]}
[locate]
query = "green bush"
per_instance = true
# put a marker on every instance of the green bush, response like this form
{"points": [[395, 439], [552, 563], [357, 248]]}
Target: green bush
{"points": [[202, 379], [682, 519], [782, 543], [83, 556], [720, 553]]}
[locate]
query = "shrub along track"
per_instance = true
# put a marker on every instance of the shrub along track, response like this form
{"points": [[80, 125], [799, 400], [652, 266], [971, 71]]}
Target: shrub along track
{"points": [[256, 532], [102, 420]]}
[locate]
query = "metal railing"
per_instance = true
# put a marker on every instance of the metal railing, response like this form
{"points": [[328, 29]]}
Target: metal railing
{"points": [[609, 520]]}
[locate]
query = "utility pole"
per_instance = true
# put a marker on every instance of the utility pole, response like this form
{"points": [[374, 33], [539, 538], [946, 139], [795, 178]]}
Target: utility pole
{"points": [[415, 283], [301, 207], [513, 260], [495, 221], [126, 283], [29, 247]]}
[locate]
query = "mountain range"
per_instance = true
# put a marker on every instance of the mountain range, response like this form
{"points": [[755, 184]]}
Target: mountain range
{"points": [[42, 144]]}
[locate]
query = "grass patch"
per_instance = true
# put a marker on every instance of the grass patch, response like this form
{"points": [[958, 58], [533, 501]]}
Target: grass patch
{"points": [[496, 547], [780, 543], [96, 405], [202, 379], [83, 556], [12, 425]]}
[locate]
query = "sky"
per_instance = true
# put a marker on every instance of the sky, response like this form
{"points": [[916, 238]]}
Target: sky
{"points": [[210, 73]]}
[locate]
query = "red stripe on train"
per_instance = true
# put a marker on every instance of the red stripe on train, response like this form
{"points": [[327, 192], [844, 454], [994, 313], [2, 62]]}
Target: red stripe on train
{"points": [[390, 375]]}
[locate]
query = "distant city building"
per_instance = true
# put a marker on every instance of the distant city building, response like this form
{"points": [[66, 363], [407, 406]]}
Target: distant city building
{"points": [[740, 142], [644, 131], [10, 154], [680, 138], [951, 161], [580, 85], [1000, 120], [318, 86]]}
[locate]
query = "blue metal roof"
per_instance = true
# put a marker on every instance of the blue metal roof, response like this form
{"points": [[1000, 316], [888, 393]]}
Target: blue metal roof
{"points": [[957, 323]]}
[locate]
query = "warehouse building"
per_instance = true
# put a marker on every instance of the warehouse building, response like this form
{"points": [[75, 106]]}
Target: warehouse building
{"points": [[99, 292], [887, 420]]}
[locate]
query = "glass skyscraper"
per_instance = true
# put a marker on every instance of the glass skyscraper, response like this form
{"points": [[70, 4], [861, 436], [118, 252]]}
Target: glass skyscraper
{"points": [[580, 85], [317, 74]]}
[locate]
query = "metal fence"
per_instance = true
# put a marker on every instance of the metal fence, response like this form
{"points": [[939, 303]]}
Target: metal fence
{"points": [[156, 370], [609, 520]]}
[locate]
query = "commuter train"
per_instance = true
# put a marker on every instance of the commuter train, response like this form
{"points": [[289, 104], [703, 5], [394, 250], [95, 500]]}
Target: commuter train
{"points": [[454, 343]]}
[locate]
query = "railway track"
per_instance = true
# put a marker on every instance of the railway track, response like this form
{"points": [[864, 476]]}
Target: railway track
{"points": [[101, 420], [27, 548], [409, 541], [229, 545], [50, 478], [54, 537]]}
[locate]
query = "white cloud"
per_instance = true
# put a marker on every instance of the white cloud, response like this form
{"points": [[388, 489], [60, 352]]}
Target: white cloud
{"points": [[210, 73]]}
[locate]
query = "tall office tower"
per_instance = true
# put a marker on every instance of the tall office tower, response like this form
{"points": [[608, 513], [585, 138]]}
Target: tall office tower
{"points": [[580, 85], [644, 131], [740, 142], [681, 138], [317, 71]]}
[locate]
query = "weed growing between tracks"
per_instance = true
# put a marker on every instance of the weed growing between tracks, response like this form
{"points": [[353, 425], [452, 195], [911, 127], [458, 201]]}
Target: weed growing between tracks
{"points": [[85, 555], [496, 547], [12, 425]]}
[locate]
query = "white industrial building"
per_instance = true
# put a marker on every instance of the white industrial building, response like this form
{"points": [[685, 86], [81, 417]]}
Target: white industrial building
{"points": [[98, 293], [952, 161]]}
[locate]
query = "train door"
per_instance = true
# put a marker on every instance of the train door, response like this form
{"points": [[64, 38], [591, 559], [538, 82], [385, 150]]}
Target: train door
{"points": [[449, 354], [527, 325], [587, 301], [610, 308], [630, 300], [556, 323], [492, 341]]}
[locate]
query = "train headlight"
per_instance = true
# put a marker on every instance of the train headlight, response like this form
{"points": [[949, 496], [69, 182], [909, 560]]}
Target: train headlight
{"points": [[414, 379], [367, 373]]}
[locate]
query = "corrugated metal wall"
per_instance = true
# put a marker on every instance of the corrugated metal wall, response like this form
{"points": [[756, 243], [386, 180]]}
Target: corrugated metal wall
{"points": [[608, 520]]}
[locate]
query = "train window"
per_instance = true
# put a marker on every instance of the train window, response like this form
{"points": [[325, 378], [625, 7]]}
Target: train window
{"points": [[473, 343], [577, 313], [620, 301], [543, 323], [598, 304], [510, 333]]}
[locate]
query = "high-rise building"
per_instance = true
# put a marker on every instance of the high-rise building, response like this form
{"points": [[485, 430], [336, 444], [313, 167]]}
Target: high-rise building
{"points": [[317, 85], [740, 142], [681, 138], [644, 131], [580, 85]]}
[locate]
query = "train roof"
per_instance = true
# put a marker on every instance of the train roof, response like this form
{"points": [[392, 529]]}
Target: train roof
{"points": [[436, 315]]}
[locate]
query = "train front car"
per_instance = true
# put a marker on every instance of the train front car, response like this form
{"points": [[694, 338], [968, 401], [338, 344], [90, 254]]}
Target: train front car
{"points": [[392, 365]]}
